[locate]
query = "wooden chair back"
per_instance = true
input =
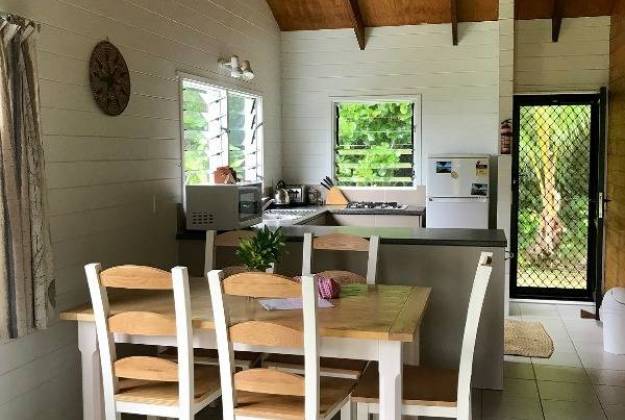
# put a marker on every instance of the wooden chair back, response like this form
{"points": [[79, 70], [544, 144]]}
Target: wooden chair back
{"points": [[230, 239], [342, 242], [260, 333], [143, 368], [476, 303]]}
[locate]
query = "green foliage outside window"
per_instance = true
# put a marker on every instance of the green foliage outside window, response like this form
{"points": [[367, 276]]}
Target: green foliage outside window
{"points": [[374, 145], [218, 128], [236, 135], [196, 160]]}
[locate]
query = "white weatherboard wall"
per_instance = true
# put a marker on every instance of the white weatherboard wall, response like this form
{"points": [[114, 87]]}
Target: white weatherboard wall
{"points": [[458, 86], [114, 182], [579, 61]]}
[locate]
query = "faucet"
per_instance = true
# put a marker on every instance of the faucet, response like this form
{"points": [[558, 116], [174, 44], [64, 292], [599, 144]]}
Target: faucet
{"points": [[268, 203]]}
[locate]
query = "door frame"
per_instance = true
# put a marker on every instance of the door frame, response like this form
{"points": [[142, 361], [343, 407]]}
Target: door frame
{"points": [[595, 226]]}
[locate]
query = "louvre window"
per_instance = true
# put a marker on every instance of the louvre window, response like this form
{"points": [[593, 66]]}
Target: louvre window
{"points": [[221, 128], [375, 143]]}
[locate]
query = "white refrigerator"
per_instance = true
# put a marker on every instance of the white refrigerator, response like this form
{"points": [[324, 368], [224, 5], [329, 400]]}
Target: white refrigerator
{"points": [[458, 191]]}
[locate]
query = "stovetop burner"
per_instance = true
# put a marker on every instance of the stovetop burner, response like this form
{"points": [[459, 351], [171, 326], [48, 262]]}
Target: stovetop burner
{"points": [[375, 205]]}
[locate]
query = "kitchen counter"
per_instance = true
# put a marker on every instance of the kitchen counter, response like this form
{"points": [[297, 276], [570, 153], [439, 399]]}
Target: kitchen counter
{"points": [[407, 236], [388, 235]]}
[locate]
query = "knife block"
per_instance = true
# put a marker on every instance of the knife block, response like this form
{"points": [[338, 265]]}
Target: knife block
{"points": [[335, 197]]}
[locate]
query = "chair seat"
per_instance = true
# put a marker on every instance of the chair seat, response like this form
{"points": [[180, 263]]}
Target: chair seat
{"points": [[422, 386], [166, 393], [343, 277], [334, 391], [328, 366], [242, 359]]}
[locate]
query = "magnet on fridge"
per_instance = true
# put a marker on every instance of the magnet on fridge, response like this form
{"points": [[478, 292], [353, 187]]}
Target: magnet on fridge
{"points": [[481, 168], [443, 167]]}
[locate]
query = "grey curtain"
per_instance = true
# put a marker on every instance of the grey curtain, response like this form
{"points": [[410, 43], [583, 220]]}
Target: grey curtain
{"points": [[27, 295]]}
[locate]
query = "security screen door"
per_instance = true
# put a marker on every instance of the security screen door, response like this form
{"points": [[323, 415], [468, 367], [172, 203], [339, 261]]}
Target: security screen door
{"points": [[555, 191]]}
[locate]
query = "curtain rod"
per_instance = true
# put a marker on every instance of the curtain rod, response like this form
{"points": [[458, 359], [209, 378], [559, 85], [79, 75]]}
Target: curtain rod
{"points": [[21, 21]]}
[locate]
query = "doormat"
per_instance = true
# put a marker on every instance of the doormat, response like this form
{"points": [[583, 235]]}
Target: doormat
{"points": [[528, 339]]}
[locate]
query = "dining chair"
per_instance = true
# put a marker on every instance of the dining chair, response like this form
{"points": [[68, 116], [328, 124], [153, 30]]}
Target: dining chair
{"points": [[270, 393], [230, 239], [343, 243], [336, 367], [147, 385], [434, 392]]}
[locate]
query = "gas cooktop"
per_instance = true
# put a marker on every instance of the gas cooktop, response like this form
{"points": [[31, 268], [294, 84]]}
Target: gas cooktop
{"points": [[375, 205]]}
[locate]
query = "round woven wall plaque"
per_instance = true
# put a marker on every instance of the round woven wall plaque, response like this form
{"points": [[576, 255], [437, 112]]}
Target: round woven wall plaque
{"points": [[109, 78]]}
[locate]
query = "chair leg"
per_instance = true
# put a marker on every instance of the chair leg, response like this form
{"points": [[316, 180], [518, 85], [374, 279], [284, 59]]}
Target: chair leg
{"points": [[362, 411]]}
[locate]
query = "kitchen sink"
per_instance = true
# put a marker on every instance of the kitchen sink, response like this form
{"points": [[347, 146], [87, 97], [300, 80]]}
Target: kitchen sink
{"points": [[287, 215]]}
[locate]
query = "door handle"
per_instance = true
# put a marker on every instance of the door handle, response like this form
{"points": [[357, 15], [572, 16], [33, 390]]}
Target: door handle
{"points": [[601, 202]]}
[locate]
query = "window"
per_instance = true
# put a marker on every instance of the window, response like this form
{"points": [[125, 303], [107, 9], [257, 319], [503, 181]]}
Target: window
{"points": [[375, 143], [220, 128]]}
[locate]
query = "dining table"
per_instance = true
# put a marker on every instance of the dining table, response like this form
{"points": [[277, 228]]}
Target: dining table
{"points": [[367, 322]]}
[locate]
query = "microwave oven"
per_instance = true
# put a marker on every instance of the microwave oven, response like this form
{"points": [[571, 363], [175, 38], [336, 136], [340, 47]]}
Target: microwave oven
{"points": [[223, 206]]}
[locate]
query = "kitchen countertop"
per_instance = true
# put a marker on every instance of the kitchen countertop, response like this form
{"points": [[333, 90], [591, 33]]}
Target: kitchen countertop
{"points": [[408, 211], [388, 235], [406, 236]]}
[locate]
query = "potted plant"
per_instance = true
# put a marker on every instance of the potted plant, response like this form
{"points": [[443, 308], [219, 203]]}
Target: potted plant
{"points": [[263, 250]]}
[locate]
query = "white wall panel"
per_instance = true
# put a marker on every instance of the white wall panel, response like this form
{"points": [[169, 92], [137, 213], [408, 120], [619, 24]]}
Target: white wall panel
{"points": [[458, 86], [579, 61], [105, 174]]}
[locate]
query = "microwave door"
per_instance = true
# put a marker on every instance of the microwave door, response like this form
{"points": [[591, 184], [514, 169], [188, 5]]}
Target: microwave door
{"points": [[250, 206]]}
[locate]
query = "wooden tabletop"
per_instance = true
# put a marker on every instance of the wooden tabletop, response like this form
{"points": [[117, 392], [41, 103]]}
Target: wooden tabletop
{"points": [[380, 312]]}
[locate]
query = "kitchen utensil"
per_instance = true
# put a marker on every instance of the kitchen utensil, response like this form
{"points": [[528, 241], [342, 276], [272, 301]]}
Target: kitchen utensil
{"points": [[329, 181], [297, 194], [335, 197], [314, 196], [325, 185], [281, 196]]}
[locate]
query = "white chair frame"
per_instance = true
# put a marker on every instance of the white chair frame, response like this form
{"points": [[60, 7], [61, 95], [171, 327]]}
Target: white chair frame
{"points": [[372, 260], [187, 407], [462, 410], [311, 349]]}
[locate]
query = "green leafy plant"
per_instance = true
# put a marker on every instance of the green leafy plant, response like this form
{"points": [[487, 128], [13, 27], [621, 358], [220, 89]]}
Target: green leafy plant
{"points": [[259, 252]]}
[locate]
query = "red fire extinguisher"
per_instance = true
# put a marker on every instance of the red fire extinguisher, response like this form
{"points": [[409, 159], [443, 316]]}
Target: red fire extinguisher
{"points": [[505, 141]]}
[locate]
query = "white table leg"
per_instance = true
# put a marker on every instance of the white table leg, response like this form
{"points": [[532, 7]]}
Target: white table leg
{"points": [[92, 403], [412, 351], [390, 366]]}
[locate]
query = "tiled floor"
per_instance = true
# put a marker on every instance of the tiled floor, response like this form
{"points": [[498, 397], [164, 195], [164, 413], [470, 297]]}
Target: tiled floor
{"points": [[579, 381]]}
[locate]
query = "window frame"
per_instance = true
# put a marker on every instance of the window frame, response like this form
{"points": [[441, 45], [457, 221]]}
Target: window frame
{"points": [[417, 147], [237, 90]]}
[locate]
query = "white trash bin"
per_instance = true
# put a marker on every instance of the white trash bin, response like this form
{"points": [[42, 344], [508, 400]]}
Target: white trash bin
{"points": [[613, 316]]}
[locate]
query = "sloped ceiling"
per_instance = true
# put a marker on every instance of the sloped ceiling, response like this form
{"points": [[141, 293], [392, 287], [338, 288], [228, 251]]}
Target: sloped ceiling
{"points": [[293, 15]]}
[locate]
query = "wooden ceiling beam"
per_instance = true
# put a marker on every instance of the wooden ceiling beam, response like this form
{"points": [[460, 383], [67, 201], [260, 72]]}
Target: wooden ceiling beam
{"points": [[357, 21], [453, 11], [556, 19]]}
